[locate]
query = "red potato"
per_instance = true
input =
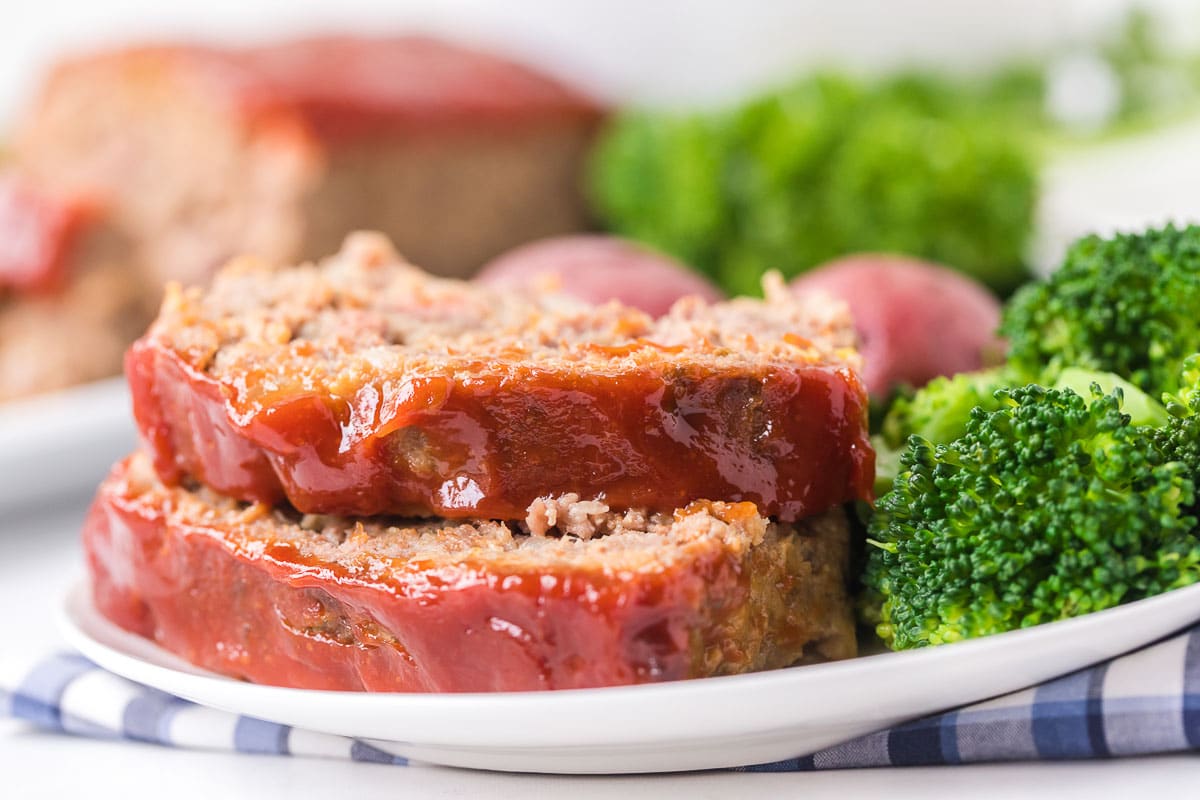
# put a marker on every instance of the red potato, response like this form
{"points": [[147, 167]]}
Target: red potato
{"points": [[600, 268], [916, 320]]}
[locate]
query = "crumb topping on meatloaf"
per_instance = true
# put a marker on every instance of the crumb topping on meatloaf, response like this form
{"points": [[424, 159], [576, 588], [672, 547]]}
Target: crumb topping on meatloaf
{"points": [[318, 602], [366, 315]]}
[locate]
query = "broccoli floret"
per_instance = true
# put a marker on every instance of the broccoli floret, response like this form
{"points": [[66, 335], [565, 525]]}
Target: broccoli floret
{"points": [[1179, 437], [1125, 305], [1139, 406], [1045, 508], [939, 411]]}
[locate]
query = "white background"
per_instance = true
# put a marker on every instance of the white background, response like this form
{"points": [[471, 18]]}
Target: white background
{"points": [[642, 50]]}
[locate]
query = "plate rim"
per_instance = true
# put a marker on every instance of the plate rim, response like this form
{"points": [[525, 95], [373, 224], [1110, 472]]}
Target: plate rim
{"points": [[544, 705]]}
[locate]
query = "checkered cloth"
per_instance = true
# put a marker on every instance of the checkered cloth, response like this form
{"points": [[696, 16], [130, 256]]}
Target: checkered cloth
{"points": [[1145, 702]]}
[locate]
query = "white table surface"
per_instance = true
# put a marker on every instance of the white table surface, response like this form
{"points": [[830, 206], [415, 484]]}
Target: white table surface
{"points": [[42, 556]]}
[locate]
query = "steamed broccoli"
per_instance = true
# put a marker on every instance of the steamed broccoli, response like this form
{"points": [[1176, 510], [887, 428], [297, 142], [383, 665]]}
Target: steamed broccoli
{"points": [[1179, 437], [1008, 507], [939, 411], [675, 204], [1136, 404], [828, 166], [1047, 507], [1125, 304]]}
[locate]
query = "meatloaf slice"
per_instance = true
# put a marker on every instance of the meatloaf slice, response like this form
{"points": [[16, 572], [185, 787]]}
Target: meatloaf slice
{"points": [[281, 150], [275, 597], [71, 301], [364, 386]]}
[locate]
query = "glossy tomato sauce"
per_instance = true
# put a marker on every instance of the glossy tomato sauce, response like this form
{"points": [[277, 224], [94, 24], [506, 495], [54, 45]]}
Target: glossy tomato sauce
{"points": [[792, 440], [347, 88], [38, 233], [350, 86]]}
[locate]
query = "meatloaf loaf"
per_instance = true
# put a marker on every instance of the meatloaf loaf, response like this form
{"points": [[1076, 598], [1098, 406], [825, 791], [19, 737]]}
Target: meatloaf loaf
{"points": [[276, 597], [280, 150], [362, 385]]}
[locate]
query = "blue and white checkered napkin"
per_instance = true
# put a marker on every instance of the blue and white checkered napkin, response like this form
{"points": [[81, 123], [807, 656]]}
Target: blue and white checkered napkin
{"points": [[1144, 702]]}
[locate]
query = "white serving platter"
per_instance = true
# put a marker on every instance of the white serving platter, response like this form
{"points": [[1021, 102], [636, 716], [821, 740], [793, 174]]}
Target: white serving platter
{"points": [[61, 445], [685, 725]]}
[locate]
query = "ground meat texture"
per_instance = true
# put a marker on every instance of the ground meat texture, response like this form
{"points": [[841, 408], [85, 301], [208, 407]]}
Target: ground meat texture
{"points": [[569, 515], [245, 590], [364, 386], [205, 152]]}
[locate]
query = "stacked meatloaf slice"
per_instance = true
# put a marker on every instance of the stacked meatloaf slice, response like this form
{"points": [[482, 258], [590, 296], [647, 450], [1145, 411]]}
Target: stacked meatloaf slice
{"points": [[320, 602], [358, 476]]}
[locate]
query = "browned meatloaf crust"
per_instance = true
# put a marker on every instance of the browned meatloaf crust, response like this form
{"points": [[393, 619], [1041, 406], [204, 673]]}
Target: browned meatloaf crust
{"points": [[325, 603], [363, 386], [280, 150]]}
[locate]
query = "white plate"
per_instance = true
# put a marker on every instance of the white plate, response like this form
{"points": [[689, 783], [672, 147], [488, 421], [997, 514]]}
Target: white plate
{"points": [[686, 725], [63, 443]]}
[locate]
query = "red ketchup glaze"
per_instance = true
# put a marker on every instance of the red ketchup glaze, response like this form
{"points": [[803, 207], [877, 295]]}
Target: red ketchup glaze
{"points": [[349, 86], [38, 232], [345, 88], [251, 611], [791, 440]]}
